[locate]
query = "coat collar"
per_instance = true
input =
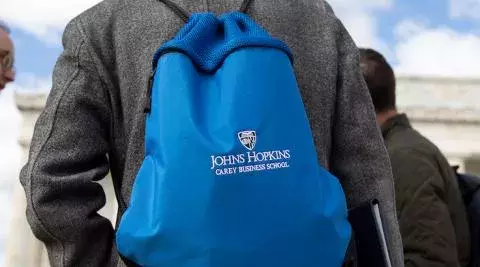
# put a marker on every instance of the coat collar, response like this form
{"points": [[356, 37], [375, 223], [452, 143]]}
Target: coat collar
{"points": [[398, 121]]}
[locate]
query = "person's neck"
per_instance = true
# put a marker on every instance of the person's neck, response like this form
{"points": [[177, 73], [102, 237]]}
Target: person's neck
{"points": [[384, 116]]}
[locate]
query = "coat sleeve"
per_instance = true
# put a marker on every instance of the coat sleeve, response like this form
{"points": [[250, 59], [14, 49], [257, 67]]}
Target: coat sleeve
{"points": [[425, 221], [68, 155], [359, 157]]}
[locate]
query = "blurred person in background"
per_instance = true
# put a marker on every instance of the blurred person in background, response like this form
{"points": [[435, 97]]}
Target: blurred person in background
{"points": [[7, 73], [432, 216]]}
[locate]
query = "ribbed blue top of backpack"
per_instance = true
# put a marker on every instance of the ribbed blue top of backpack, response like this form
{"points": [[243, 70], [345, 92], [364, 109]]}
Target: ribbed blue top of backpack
{"points": [[230, 176]]}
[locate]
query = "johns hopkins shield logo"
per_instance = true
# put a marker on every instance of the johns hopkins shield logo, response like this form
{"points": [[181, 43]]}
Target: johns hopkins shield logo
{"points": [[248, 139]]}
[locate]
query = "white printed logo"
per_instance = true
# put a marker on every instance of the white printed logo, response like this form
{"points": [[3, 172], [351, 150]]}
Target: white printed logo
{"points": [[251, 161], [248, 139]]}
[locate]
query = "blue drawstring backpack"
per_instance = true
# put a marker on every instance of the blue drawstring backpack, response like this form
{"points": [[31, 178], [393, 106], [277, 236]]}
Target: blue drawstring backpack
{"points": [[230, 176]]}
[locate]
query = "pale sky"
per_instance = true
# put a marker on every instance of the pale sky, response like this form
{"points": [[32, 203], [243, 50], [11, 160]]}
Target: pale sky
{"points": [[427, 37]]}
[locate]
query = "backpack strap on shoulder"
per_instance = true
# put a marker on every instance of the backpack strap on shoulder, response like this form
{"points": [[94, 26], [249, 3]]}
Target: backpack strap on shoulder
{"points": [[245, 5], [182, 13]]}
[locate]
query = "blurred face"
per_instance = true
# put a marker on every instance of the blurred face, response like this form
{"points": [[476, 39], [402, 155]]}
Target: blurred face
{"points": [[6, 60]]}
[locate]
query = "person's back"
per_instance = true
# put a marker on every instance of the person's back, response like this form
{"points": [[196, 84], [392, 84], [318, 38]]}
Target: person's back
{"points": [[406, 146], [431, 213], [98, 100]]}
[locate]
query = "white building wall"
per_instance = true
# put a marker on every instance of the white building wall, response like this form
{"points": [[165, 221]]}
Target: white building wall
{"points": [[447, 111]]}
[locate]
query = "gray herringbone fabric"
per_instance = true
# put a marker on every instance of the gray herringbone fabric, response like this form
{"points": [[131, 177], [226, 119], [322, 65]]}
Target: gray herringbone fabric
{"points": [[96, 106]]}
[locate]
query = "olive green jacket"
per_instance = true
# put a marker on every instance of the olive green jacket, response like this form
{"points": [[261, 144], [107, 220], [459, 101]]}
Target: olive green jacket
{"points": [[431, 214]]}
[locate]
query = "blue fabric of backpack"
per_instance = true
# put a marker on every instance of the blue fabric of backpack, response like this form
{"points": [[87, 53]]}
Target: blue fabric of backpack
{"points": [[231, 176]]}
